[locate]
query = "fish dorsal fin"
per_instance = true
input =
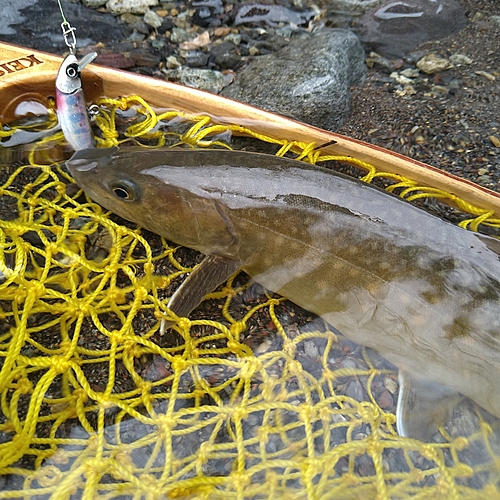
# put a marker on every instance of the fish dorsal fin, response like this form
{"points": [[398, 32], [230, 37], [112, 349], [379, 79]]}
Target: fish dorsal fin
{"points": [[422, 406]]}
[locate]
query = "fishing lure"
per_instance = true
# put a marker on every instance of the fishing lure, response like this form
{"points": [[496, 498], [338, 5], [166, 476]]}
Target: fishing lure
{"points": [[70, 99]]}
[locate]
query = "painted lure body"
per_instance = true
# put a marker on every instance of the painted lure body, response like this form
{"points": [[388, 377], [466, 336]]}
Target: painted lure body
{"points": [[422, 292], [71, 105]]}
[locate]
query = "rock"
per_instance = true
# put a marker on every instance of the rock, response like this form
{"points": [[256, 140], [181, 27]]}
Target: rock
{"points": [[411, 73], [406, 90], [194, 58], [183, 20], [207, 12], [117, 7], [129, 18], [204, 79], [376, 61], [38, 25], [201, 40], [225, 55], [391, 385], [11, 15], [460, 59], [94, 4], [385, 400], [179, 35], [157, 44], [271, 15], [432, 63], [355, 391], [403, 80], [495, 21], [494, 140], [143, 57], [136, 36], [173, 63], [396, 27], [153, 19], [439, 91], [309, 79], [486, 75], [134, 22], [115, 60], [357, 7], [234, 38]]}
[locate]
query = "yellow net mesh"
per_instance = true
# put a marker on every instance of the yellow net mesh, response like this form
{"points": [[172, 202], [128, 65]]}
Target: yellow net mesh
{"points": [[250, 398]]}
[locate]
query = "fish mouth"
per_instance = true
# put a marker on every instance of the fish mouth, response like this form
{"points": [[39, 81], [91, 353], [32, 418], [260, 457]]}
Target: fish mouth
{"points": [[81, 165], [88, 159]]}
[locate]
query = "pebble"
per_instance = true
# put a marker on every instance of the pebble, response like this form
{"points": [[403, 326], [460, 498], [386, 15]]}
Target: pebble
{"points": [[406, 90], [403, 80], [94, 4], [183, 20], [355, 390], [153, 19], [460, 59], [495, 21], [439, 91], [234, 38], [204, 79], [117, 7], [193, 58], [173, 63], [310, 349], [207, 12], [129, 18], [410, 73], [385, 400], [432, 63], [271, 15], [375, 60], [115, 60], [487, 75], [391, 385], [136, 36], [354, 7], [494, 140], [200, 41], [225, 55], [135, 23], [179, 35], [144, 57]]}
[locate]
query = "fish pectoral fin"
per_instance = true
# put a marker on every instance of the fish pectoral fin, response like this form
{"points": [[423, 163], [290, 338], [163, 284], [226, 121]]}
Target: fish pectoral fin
{"points": [[422, 406], [212, 271]]}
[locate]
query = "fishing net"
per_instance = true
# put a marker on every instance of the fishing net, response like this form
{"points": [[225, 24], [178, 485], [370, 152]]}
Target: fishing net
{"points": [[251, 397]]}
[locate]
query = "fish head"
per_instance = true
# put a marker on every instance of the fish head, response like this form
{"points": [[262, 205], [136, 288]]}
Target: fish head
{"points": [[68, 78], [162, 204]]}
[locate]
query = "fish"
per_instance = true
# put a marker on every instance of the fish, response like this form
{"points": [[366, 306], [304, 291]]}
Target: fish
{"points": [[71, 104], [422, 292]]}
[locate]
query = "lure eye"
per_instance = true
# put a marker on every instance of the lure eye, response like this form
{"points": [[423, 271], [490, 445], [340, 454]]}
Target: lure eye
{"points": [[126, 191], [72, 70]]}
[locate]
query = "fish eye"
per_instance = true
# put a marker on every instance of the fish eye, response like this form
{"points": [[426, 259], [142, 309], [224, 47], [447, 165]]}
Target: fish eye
{"points": [[72, 70], [125, 190]]}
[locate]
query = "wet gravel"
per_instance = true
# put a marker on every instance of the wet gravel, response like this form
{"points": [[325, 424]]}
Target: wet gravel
{"points": [[451, 119]]}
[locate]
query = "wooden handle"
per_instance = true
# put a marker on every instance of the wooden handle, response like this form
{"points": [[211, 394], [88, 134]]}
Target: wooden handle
{"points": [[26, 73]]}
